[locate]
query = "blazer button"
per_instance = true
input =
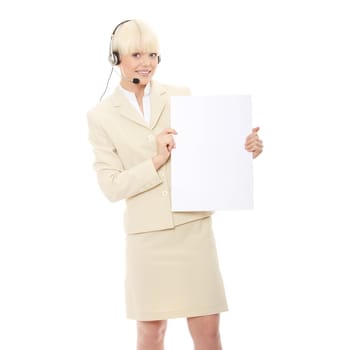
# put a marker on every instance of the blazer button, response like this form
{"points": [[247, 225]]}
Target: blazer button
{"points": [[164, 193], [150, 137]]}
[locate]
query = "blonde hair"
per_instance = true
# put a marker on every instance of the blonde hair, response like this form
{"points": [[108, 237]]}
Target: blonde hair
{"points": [[134, 36]]}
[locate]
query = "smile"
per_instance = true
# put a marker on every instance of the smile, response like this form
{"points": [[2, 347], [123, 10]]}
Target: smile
{"points": [[143, 72]]}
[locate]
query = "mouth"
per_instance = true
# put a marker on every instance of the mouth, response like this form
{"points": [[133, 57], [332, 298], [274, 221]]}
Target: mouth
{"points": [[144, 73]]}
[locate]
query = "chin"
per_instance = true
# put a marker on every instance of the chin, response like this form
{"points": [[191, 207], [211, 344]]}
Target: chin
{"points": [[145, 81]]}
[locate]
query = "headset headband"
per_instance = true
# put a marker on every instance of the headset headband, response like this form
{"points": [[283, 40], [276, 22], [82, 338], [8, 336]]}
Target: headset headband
{"points": [[114, 57]]}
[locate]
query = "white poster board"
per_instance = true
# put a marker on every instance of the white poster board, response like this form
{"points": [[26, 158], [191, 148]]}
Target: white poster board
{"points": [[211, 170]]}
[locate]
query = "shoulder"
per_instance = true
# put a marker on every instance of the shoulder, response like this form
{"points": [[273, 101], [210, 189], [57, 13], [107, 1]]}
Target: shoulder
{"points": [[172, 90], [101, 109]]}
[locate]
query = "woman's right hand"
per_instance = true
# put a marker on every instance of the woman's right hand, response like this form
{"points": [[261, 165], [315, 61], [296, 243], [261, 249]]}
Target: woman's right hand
{"points": [[165, 144]]}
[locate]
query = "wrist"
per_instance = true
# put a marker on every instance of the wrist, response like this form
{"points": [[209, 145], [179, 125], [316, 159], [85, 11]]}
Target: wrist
{"points": [[158, 161]]}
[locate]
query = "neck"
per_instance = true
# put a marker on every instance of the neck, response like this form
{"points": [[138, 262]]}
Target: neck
{"points": [[137, 89], [130, 86]]}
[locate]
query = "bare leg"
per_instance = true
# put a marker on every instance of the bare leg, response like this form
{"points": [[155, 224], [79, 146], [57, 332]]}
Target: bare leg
{"points": [[205, 332], [150, 335]]}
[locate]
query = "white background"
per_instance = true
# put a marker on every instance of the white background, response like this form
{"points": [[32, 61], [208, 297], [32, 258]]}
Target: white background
{"points": [[285, 264]]}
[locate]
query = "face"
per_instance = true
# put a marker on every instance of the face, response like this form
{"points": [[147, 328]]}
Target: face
{"points": [[140, 65]]}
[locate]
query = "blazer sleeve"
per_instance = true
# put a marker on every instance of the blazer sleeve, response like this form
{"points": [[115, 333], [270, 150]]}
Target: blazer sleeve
{"points": [[116, 182]]}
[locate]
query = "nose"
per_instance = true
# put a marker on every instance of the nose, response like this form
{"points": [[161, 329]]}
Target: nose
{"points": [[145, 59]]}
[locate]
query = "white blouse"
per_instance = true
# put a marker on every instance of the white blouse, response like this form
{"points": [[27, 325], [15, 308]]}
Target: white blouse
{"points": [[146, 102]]}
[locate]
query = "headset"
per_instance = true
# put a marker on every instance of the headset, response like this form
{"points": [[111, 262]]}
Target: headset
{"points": [[114, 57]]}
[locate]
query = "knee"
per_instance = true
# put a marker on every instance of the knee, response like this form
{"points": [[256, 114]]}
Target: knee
{"points": [[205, 329], [207, 338], [151, 331], [210, 334]]}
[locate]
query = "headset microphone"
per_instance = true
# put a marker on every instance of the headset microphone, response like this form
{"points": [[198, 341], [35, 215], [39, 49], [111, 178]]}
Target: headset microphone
{"points": [[133, 80]]}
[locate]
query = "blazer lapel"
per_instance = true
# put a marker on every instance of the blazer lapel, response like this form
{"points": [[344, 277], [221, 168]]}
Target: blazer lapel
{"points": [[126, 110], [159, 98]]}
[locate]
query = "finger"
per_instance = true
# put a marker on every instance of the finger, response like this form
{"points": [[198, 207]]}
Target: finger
{"points": [[256, 129], [257, 143], [252, 135], [254, 146], [170, 146], [169, 141], [256, 153], [164, 141], [252, 138], [168, 131], [168, 138], [251, 142]]}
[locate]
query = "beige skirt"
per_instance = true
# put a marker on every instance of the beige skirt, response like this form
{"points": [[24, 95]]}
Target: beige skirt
{"points": [[173, 273]]}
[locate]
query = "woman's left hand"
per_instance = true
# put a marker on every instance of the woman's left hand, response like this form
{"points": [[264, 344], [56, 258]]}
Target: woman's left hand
{"points": [[253, 143]]}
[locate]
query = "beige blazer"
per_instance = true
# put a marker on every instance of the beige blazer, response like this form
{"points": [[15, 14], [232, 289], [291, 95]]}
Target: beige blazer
{"points": [[124, 144]]}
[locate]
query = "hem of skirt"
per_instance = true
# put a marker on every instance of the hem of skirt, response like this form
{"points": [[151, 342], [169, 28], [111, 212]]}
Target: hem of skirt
{"points": [[153, 316]]}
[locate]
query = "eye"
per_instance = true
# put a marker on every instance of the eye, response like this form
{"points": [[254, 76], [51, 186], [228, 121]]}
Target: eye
{"points": [[136, 54], [153, 54]]}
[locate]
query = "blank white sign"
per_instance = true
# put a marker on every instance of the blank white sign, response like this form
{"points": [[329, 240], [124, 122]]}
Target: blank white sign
{"points": [[211, 170]]}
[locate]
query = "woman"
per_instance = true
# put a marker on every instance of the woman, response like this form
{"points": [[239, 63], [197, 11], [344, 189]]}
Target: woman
{"points": [[171, 263]]}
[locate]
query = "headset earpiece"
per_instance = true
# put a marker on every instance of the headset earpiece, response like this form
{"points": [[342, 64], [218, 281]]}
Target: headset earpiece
{"points": [[113, 57]]}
